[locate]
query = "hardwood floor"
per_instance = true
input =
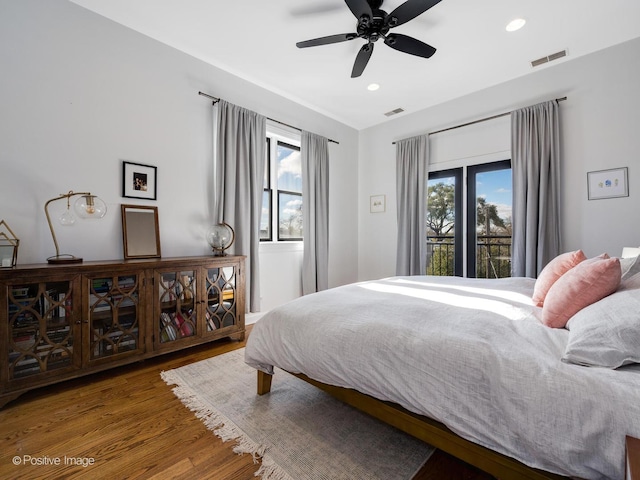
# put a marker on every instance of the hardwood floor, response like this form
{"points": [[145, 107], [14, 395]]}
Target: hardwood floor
{"points": [[126, 423]]}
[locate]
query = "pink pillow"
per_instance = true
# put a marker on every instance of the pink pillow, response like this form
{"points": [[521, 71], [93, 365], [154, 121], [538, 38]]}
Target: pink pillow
{"points": [[552, 272], [581, 286]]}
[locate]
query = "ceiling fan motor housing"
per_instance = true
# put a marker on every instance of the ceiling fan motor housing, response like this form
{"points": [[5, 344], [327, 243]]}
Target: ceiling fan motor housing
{"points": [[375, 28]]}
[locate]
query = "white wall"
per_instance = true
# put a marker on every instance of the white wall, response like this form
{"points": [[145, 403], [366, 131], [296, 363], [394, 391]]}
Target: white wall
{"points": [[79, 94], [599, 123]]}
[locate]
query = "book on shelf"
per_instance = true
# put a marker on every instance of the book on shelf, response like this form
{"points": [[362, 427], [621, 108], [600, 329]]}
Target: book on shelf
{"points": [[115, 343], [44, 354], [103, 285], [211, 321], [166, 289], [185, 327], [167, 330]]}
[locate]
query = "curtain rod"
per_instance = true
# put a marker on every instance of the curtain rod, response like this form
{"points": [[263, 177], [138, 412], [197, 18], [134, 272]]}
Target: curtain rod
{"points": [[479, 121], [216, 100]]}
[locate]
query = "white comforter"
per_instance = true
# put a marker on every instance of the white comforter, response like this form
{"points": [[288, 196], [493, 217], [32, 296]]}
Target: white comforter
{"points": [[469, 353]]}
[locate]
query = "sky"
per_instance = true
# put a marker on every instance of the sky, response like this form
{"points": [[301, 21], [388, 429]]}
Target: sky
{"points": [[495, 186]]}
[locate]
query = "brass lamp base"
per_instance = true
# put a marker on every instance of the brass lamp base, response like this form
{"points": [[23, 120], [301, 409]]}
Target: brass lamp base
{"points": [[64, 259]]}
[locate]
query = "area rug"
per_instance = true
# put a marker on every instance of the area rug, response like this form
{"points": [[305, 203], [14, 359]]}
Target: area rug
{"points": [[298, 431]]}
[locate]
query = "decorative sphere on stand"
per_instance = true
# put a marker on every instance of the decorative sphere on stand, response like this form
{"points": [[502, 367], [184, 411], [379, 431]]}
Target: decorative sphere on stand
{"points": [[220, 237]]}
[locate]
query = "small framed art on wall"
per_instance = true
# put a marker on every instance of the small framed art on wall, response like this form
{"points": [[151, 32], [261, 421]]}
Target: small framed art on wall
{"points": [[610, 183], [139, 181]]}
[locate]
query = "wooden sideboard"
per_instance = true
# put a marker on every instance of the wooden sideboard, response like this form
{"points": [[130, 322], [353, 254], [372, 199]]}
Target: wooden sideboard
{"points": [[63, 321]]}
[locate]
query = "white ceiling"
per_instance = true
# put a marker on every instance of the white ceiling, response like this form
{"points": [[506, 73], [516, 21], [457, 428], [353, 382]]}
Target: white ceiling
{"points": [[255, 40]]}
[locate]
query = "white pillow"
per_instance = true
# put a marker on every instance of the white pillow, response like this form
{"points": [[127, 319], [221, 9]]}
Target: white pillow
{"points": [[607, 333], [629, 266]]}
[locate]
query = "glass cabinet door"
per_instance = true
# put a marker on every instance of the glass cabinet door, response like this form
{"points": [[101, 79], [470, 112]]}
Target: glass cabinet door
{"points": [[177, 301], [114, 315], [41, 333], [221, 298]]}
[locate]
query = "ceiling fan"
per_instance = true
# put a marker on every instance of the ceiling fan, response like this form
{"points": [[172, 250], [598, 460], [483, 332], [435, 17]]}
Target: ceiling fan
{"points": [[374, 24]]}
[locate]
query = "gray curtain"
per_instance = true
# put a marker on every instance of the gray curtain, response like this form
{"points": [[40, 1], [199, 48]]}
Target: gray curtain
{"points": [[535, 164], [239, 172], [314, 152], [412, 160]]}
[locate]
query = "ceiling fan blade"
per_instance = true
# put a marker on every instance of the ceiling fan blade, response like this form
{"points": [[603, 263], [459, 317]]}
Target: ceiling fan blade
{"points": [[409, 45], [341, 37], [359, 8], [408, 11], [362, 59]]}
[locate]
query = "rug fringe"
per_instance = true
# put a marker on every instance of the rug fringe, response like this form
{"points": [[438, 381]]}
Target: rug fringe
{"points": [[270, 470], [220, 425]]}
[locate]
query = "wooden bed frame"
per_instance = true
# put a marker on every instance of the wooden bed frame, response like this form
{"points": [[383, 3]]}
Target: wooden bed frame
{"points": [[428, 430]]}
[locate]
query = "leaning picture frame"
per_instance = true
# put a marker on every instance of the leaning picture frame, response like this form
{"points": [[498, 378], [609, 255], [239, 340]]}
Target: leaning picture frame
{"points": [[611, 183], [139, 180], [140, 231]]}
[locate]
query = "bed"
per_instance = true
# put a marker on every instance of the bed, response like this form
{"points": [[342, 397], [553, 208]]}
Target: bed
{"points": [[468, 366]]}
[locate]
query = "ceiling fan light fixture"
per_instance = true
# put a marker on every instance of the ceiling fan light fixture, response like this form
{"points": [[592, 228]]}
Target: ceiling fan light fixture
{"points": [[372, 87], [515, 24]]}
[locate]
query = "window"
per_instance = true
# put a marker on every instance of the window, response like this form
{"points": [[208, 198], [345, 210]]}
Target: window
{"points": [[444, 223], [483, 249], [282, 191], [489, 201]]}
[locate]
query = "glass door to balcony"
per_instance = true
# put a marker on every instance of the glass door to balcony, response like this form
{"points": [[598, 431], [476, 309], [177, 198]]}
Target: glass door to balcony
{"points": [[485, 201], [444, 223], [489, 201]]}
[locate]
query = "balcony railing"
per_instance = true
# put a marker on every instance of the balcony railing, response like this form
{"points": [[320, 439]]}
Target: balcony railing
{"points": [[493, 255]]}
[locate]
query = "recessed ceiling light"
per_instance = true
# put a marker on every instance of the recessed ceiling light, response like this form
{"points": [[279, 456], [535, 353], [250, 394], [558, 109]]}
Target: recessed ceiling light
{"points": [[516, 24], [373, 87]]}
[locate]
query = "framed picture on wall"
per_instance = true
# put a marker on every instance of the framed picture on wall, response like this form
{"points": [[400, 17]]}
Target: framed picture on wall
{"points": [[139, 181], [610, 183], [377, 203]]}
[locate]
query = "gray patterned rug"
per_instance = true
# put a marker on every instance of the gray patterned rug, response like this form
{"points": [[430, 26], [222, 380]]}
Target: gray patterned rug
{"points": [[299, 431]]}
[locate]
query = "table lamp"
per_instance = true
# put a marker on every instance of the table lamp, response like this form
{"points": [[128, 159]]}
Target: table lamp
{"points": [[87, 206]]}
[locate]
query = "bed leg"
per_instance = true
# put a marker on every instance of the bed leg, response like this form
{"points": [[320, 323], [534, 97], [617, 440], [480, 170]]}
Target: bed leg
{"points": [[264, 382]]}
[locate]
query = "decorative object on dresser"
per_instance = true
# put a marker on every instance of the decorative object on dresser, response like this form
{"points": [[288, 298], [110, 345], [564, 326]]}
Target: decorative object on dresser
{"points": [[8, 246], [87, 206], [139, 181], [64, 321], [140, 231], [220, 237]]}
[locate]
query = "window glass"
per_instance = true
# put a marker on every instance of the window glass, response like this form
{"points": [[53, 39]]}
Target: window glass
{"points": [[289, 168], [493, 199], [289, 216], [265, 219], [281, 216], [265, 216], [443, 222]]}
